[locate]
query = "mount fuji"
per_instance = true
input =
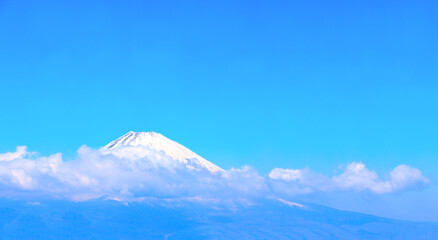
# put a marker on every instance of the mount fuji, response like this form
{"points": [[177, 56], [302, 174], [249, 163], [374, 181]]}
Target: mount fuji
{"points": [[146, 186], [157, 142]]}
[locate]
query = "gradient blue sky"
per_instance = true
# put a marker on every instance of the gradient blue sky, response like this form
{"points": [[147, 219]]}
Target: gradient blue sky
{"points": [[264, 83]]}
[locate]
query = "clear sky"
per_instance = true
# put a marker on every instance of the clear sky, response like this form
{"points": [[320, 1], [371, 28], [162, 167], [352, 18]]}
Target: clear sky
{"points": [[265, 83]]}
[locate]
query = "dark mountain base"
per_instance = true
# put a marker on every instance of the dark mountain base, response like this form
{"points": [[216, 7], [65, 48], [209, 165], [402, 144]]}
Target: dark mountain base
{"points": [[102, 219]]}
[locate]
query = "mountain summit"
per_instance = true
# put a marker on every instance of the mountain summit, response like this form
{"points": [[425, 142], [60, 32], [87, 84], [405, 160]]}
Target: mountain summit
{"points": [[158, 142]]}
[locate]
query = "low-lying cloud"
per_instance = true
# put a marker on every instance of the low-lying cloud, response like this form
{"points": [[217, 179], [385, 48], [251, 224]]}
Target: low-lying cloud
{"points": [[136, 172], [356, 176]]}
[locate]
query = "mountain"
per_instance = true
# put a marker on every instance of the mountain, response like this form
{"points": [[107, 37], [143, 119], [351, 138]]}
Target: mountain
{"points": [[119, 198], [158, 142], [155, 219]]}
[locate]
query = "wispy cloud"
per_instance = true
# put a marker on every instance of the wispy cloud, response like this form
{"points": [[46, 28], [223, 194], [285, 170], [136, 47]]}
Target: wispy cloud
{"points": [[21, 152]]}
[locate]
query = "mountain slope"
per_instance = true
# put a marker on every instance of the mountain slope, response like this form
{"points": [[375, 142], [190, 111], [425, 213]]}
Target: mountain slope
{"points": [[102, 219], [158, 142]]}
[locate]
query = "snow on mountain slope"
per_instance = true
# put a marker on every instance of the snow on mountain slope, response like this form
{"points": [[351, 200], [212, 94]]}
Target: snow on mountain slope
{"points": [[158, 142]]}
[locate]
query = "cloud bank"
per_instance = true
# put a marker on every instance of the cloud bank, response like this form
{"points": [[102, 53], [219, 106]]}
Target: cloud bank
{"points": [[356, 177], [138, 172]]}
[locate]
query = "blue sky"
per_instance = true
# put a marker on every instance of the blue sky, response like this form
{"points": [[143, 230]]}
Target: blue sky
{"points": [[270, 84]]}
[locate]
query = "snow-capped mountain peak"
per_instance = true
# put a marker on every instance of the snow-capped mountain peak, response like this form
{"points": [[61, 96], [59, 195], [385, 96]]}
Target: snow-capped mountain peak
{"points": [[158, 142]]}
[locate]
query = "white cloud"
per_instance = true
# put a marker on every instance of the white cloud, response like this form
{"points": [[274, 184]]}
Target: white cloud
{"points": [[356, 177], [286, 174], [95, 174], [9, 156], [403, 177], [297, 181], [138, 172]]}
